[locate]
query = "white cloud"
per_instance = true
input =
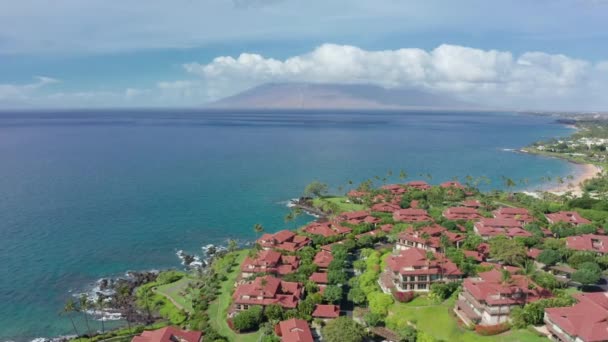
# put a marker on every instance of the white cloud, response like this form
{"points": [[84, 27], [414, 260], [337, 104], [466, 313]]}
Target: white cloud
{"points": [[485, 76], [21, 92]]}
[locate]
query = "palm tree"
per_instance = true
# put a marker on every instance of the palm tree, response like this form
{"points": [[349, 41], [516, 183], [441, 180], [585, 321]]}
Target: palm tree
{"points": [[101, 306], [402, 175], [289, 217], [232, 245], [122, 297], [258, 228], [68, 309], [84, 306]]}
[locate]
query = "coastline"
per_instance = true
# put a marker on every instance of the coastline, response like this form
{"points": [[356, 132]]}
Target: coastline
{"points": [[584, 173]]}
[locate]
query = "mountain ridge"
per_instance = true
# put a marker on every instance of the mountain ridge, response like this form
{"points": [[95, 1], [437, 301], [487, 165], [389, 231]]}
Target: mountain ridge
{"points": [[336, 96]]}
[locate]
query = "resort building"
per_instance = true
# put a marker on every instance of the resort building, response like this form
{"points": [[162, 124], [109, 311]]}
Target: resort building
{"points": [[386, 207], [584, 321], [294, 330], [414, 270], [427, 238], [357, 217], [395, 189], [168, 334], [411, 215], [589, 243], [267, 290], [472, 204], [323, 259], [319, 278], [357, 196], [419, 185], [489, 298], [283, 240], [452, 184], [521, 215], [490, 227], [269, 261], [571, 217], [461, 214], [326, 311], [326, 229]]}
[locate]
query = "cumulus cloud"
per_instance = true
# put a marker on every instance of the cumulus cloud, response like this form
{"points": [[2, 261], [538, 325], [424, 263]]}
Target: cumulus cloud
{"points": [[486, 76]]}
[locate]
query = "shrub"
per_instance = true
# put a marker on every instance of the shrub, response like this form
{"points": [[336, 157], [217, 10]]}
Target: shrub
{"points": [[490, 330], [404, 297], [248, 320], [374, 319]]}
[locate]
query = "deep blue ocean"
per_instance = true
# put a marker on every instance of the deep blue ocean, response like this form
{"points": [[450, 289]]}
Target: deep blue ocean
{"points": [[89, 194]]}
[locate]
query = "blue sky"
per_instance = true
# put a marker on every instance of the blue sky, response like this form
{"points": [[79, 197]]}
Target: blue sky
{"points": [[541, 54]]}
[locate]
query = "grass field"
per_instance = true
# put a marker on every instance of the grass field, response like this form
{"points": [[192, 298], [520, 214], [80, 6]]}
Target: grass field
{"points": [[218, 309], [174, 292], [340, 201], [437, 321]]}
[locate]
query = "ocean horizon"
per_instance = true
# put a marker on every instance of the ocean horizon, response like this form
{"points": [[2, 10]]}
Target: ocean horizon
{"points": [[88, 194]]}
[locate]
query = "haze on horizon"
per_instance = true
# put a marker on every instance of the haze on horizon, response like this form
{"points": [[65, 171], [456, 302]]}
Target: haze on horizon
{"points": [[529, 55]]}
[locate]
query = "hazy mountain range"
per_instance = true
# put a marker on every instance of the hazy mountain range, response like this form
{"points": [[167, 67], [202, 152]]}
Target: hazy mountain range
{"points": [[336, 96]]}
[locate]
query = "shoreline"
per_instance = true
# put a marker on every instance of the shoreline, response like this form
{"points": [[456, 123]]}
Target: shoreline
{"points": [[584, 173]]}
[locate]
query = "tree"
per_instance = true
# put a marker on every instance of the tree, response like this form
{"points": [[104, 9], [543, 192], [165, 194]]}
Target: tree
{"points": [[357, 296], [101, 303], [232, 245], [333, 294], [512, 252], [84, 306], [249, 319], [274, 312], [374, 319], [343, 329], [379, 302], [258, 228], [407, 334], [580, 257], [315, 189], [68, 309], [549, 257], [588, 273]]}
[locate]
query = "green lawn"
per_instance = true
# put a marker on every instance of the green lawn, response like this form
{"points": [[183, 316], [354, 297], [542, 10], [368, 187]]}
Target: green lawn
{"points": [[438, 321], [218, 309], [175, 292], [340, 201]]}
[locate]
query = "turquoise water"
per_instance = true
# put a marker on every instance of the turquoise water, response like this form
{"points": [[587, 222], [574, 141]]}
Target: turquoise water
{"points": [[85, 195]]}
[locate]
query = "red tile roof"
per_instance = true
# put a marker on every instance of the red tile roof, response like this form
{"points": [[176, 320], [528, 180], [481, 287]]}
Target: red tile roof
{"points": [[567, 216], [284, 239], [434, 233], [452, 184], [488, 287], [294, 330], [357, 194], [475, 255], [518, 214], [326, 229], [533, 253], [319, 278], [385, 207], [414, 261], [471, 204], [421, 185], [269, 290], [585, 320], [396, 189], [168, 334], [488, 227], [411, 215], [461, 213], [326, 311], [588, 242], [323, 259]]}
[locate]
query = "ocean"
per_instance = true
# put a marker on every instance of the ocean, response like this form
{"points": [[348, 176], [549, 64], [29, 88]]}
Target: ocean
{"points": [[90, 194]]}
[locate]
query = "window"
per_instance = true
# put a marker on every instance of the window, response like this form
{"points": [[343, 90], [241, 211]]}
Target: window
{"points": [[421, 286], [422, 278]]}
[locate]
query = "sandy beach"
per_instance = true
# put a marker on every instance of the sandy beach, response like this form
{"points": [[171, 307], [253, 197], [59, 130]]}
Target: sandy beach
{"points": [[583, 172]]}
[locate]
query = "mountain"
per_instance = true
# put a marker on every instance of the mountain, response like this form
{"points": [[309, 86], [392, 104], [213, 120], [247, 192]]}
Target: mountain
{"points": [[336, 96]]}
